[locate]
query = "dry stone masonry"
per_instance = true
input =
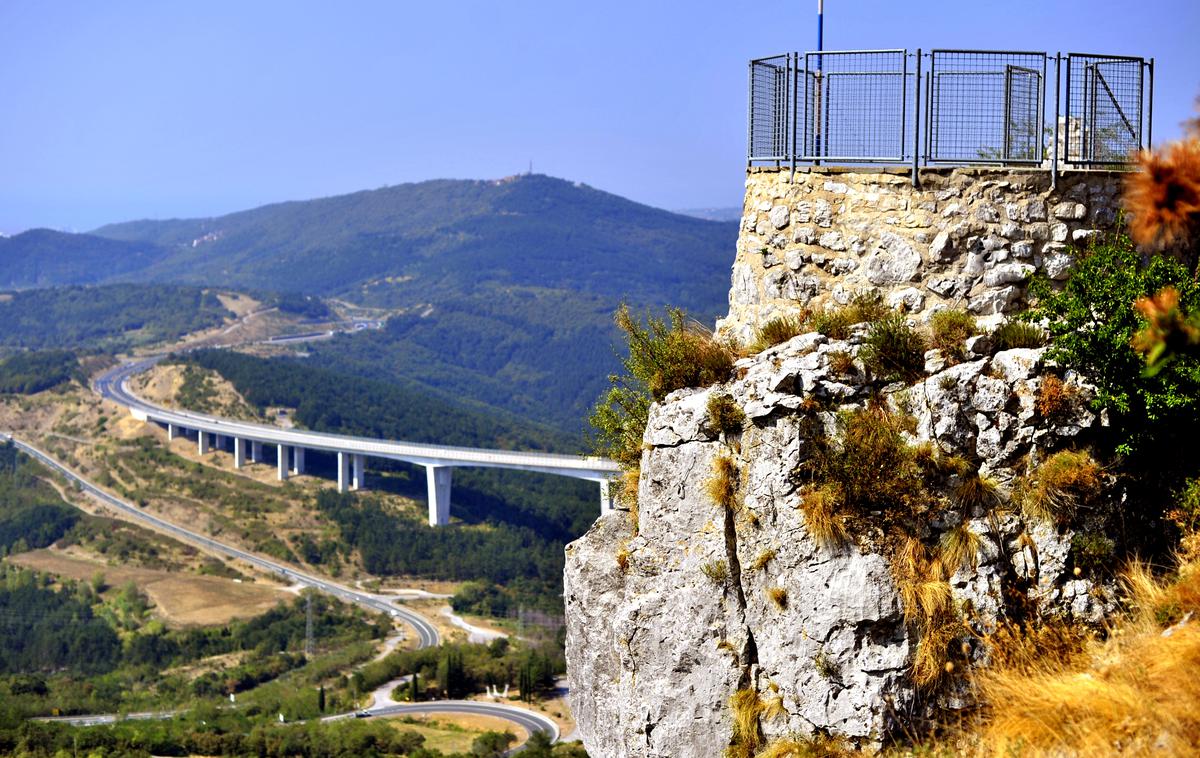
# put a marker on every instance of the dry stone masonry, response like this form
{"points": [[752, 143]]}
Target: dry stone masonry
{"points": [[967, 237]]}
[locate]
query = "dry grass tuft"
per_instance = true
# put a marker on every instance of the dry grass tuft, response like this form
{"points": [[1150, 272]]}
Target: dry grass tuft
{"points": [[1135, 693], [821, 516], [623, 555], [765, 557], [1063, 483], [818, 746], [779, 597], [747, 707], [949, 332], [929, 606], [722, 486], [977, 492], [724, 415], [718, 571], [842, 363], [893, 350], [1015, 334], [835, 323], [627, 493], [777, 331], [1055, 398], [959, 548]]}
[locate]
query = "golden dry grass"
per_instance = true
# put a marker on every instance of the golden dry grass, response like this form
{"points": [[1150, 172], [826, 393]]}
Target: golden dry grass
{"points": [[959, 548], [777, 331], [1055, 397], [722, 486], [779, 597], [763, 558], [825, 523], [747, 707], [1135, 693], [1063, 482]]}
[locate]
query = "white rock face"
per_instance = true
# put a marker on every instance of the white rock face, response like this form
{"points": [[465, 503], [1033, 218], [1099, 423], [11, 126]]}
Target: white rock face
{"points": [[656, 649]]}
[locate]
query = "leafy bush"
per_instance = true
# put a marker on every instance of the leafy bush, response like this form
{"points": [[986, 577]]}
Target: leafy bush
{"points": [[664, 356], [950, 330], [30, 372], [894, 350], [1092, 322], [1015, 334]]}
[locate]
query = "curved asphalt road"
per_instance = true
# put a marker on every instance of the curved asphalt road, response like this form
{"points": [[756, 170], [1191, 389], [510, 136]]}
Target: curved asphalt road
{"points": [[427, 635]]}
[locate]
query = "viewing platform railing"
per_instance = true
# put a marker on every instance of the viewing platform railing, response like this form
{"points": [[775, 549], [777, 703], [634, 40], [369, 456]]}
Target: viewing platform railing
{"points": [[950, 107]]}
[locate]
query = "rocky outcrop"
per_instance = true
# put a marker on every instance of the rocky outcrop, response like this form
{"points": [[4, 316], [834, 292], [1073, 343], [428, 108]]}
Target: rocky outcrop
{"points": [[659, 640], [967, 237]]}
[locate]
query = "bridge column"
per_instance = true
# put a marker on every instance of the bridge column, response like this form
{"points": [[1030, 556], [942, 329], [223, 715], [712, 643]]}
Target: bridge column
{"points": [[437, 481], [172, 432], [343, 472], [256, 452], [202, 441], [297, 460], [606, 496], [219, 441], [358, 479], [239, 452], [282, 462]]}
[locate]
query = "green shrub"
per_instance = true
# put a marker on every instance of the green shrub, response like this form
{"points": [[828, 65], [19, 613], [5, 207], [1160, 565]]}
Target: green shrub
{"points": [[664, 356], [950, 330], [1015, 334], [777, 331], [1092, 322], [894, 350]]}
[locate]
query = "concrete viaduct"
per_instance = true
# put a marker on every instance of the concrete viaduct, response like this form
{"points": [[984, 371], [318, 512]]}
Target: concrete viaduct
{"points": [[246, 441]]}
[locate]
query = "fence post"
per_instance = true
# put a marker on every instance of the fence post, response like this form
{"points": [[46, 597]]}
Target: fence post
{"points": [[916, 118], [791, 112], [1150, 111], [1054, 148], [750, 116]]}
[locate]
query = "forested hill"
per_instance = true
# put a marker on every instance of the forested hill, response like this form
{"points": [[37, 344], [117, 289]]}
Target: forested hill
{"points": [[43, 257], [440, 238]]}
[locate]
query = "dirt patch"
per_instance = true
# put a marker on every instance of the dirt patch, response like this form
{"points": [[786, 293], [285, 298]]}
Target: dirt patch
{"points": [[179, 599]]}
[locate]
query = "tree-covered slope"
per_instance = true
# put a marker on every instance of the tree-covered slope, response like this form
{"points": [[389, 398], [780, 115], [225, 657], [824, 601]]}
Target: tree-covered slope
{"points": [[110, 317], [43, 258], [414, 242]]}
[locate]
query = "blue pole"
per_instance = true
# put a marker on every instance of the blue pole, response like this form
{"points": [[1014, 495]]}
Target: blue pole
{"points": [[820, 25]]}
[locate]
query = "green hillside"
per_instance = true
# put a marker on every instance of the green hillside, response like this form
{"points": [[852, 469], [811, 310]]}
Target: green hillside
{"points": [[111, 317], [419, 242], [44, 258]]}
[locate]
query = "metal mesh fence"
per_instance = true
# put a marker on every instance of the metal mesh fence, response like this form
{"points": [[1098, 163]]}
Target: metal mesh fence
{"points": [[1103, 121], [852, 106], [949, 107], [986, 107], [771, 93]]}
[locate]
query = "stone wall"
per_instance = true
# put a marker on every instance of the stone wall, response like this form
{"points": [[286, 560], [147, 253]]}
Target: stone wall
{"points": [[967, 237]]}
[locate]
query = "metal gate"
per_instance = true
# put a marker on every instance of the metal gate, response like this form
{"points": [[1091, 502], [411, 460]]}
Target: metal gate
{"points": [[1104, 108]]}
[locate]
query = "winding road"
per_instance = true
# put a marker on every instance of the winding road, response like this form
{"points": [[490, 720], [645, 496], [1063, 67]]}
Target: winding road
{"points": [[427, 634]]}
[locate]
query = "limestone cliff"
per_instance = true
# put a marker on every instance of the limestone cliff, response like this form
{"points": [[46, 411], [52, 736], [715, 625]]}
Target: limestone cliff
{"points": [[664, 625]]}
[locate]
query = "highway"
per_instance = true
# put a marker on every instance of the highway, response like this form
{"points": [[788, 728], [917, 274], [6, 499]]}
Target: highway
{"points": [[111, 385], [427, 635]]}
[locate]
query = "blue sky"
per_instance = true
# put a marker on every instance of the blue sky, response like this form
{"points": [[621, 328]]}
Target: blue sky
{"points": [[121, 110]]}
